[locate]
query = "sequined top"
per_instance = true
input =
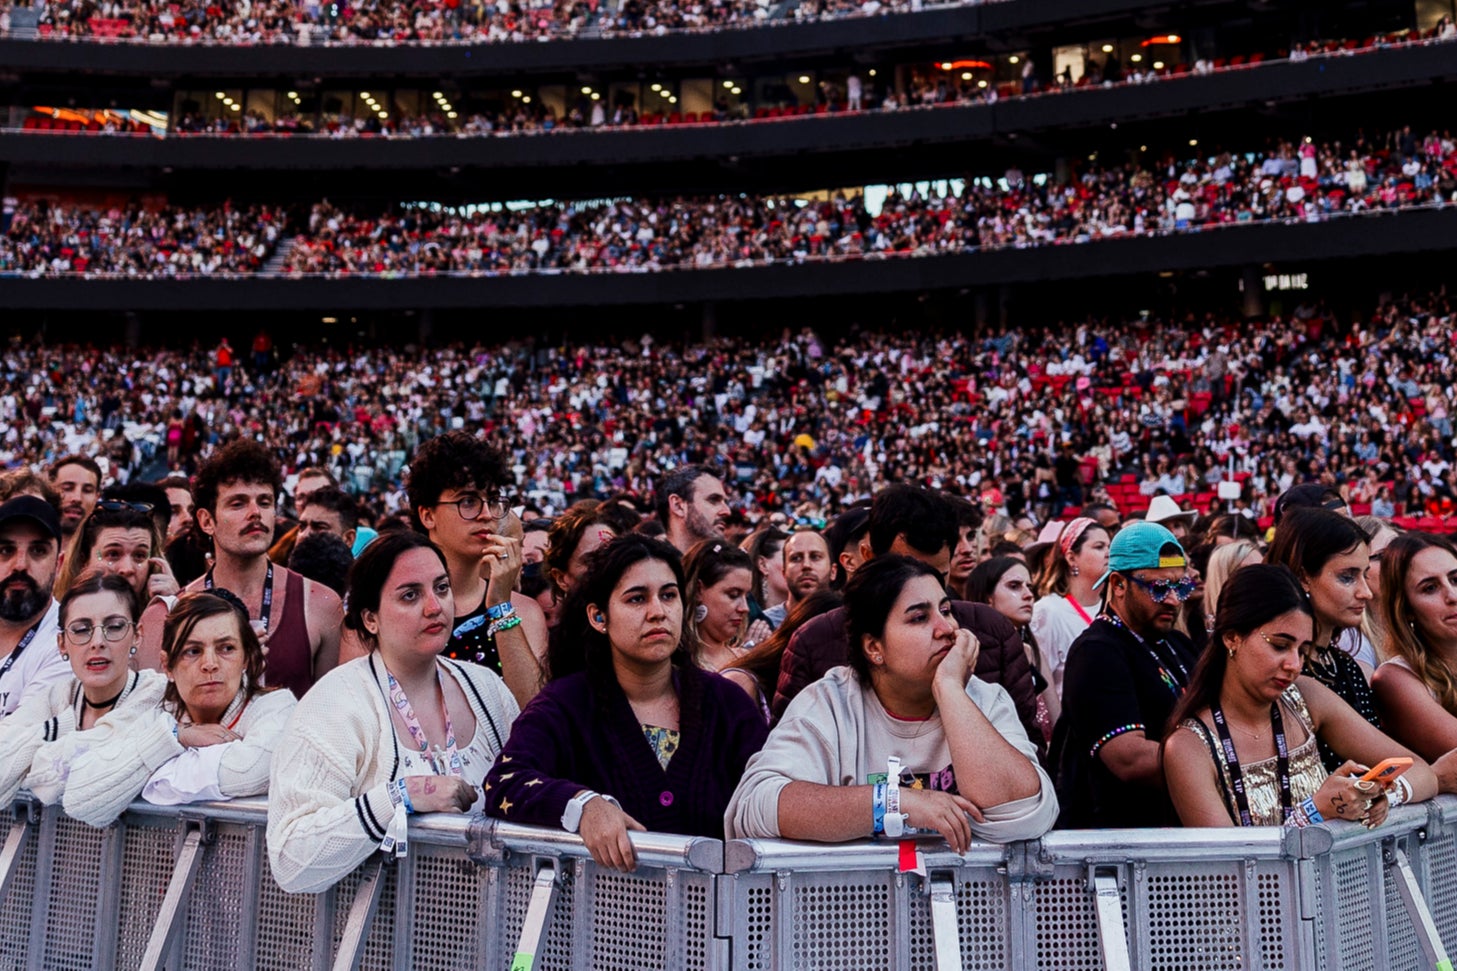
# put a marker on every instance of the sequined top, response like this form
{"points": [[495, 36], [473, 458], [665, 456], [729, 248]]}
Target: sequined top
{"points": [[1262, 788]]}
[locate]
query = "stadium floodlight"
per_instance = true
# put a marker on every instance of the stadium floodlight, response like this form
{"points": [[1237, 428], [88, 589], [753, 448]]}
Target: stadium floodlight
{"points": [[804, 79], [728, 84], [586, 89], [1013, 59], [657, 87], [737, 91], [516, 93], [966, 75], [872, 72], [1107, 48], [436, 95], [1136, 58], [1158, 65], [981, 84], [364, 95], [221, 96]]}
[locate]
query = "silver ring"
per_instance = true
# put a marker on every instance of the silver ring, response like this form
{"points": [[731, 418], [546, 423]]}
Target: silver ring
{"points": [[503, 556]]}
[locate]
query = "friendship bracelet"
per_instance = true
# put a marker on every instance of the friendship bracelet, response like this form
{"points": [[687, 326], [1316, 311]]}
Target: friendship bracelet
{"points": [[1120, 730], [501, 611], [503, 625], [878, 793]]}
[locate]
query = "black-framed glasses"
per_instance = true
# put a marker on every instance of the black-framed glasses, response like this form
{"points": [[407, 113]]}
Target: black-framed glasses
{"points": [[1159, 590], [81, 632], [470, 506], [117, 505]]}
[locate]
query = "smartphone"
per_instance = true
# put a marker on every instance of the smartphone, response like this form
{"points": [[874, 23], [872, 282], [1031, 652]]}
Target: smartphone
{"points": [[1387, 772]]}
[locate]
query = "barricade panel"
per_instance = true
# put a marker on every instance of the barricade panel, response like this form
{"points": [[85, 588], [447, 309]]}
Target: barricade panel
{"points": [[1066, 923], [379, 946], [448, 927], [16, 912], [515, 882], [72, 850], [285, 939], [219, 901], [149, 851]]}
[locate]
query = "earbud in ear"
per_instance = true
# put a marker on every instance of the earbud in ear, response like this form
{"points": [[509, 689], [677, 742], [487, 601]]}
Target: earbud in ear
{"points": [[600, 617]]}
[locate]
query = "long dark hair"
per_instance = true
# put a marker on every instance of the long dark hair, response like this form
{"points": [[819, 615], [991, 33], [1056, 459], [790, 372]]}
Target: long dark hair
{"points": [[575, 645], [763, 661], [869, 597], [983, 583], [1307, 539], [108, 514], [1254, 596], [184, 616]]}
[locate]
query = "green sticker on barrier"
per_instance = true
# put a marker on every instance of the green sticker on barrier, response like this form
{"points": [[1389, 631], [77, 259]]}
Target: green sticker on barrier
{"points": [[524, 962], [1444, 966]]}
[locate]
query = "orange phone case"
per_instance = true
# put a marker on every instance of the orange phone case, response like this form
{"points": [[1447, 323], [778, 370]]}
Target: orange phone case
{"points": [[1387, 770]]}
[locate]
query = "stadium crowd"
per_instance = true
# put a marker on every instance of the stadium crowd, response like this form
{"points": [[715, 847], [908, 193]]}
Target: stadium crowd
{"points": [[1289, 181]]}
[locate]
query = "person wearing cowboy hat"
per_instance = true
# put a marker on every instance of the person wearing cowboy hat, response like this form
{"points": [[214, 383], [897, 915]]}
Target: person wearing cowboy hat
{"points": [[1166, 512]]}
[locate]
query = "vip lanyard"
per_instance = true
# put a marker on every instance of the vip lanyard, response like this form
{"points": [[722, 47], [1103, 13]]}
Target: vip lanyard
{"points": [[267, 594], [15, 654], [1236, 776], [1173, 684], [450, 757]]}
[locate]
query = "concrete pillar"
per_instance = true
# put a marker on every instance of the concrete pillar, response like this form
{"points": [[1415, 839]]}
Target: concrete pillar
{"points": [[709, 326], [1252, 299]]}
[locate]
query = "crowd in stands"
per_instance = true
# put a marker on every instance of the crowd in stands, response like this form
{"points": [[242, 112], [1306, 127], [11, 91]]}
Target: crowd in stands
{"points": [[1290, 181]]}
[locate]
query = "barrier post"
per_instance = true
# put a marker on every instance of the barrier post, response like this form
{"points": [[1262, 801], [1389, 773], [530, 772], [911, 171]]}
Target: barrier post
{"points": [[197, 834], [945, 929], [361, 916], [1111, 932], [538, 912], [27, 810], [1416, 907]]}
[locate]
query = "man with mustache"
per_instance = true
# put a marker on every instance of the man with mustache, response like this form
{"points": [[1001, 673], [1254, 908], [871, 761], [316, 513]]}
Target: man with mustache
{"points": [[30, 534], [1123, 677], [299, 620], [78, 480]]}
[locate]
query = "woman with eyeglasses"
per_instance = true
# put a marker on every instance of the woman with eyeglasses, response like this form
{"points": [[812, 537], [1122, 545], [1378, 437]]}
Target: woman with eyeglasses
{"points": [[98, 636], [122, 538], [212, 737], [1242, 743], [1330, 557]]}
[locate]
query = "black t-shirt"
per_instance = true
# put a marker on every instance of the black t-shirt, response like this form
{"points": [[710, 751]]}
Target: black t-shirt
{"points": [[469, 642], [1113, 684]]}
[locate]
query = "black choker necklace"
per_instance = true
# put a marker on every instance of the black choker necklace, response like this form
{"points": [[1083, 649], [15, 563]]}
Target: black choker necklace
{"points": [[108, 703]]}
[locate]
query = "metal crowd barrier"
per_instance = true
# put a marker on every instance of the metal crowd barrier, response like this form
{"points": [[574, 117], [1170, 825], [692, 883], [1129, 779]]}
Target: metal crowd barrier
{"points": [[193, 890]]}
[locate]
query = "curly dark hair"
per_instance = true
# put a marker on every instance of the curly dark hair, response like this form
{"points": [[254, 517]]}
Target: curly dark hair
{"points": [[241, 460], [455, 460]]}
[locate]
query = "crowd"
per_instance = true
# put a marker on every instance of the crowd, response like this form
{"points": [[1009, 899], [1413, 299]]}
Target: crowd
{"points": [[893, 673], [1289, 181]]}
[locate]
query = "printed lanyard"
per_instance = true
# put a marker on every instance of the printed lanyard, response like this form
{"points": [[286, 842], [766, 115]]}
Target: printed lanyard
{"points": [[1173, 684], [449, 757], [1079, 608], [19, 648], [1236, 776], [267, 594]]}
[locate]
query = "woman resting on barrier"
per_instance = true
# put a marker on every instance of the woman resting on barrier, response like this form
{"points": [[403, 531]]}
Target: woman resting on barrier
{"points": [[212, 737], [122, 538], [98, 635], [396, 732], [1244, 751], [903, 741], [1417, 686], [1330, 556], [629, 734]]}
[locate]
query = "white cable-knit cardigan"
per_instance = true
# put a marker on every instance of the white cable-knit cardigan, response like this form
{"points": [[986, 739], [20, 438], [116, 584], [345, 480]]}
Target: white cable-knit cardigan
{"points": [[329, 800], [39, 739], [111, 773]]}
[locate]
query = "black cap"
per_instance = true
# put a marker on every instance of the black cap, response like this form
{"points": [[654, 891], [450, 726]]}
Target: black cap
{"points": [[35, 509], [1311, 495]]}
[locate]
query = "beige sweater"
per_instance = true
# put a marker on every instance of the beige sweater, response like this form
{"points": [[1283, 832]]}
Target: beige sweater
{"points": [[118, 762], [836, 733], [39, 739], [329, 802]]}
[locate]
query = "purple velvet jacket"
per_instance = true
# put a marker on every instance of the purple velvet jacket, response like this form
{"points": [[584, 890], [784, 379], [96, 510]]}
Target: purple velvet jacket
{"points": [[568, 739]]}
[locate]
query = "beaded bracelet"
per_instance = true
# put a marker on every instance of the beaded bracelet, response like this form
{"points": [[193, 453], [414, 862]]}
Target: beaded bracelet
{"points": [[503, 625]]}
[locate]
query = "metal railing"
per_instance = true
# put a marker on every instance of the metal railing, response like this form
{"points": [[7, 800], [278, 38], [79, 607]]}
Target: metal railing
{"points": [[193, 890]]}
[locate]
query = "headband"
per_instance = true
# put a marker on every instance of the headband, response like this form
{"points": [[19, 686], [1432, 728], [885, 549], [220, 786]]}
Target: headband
{"points": [[1071, 533]]}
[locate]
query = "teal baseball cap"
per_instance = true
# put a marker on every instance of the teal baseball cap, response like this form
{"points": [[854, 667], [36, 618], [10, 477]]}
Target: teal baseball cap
{"points": [[1142, 545]]}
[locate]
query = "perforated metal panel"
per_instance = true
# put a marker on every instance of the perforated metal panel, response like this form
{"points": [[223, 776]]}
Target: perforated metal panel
{"points": [[448, 893], [1272, 895], [982, 919], [15, 914], [754, 940], [379, 946], [1400, 951], [841, 921], [285, 927], [1354, 895], [1441, 857], [556, 954], [1067, 924], [1195, 921], [697, 893], [147, 857], [215, 908], [71, 906]]}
